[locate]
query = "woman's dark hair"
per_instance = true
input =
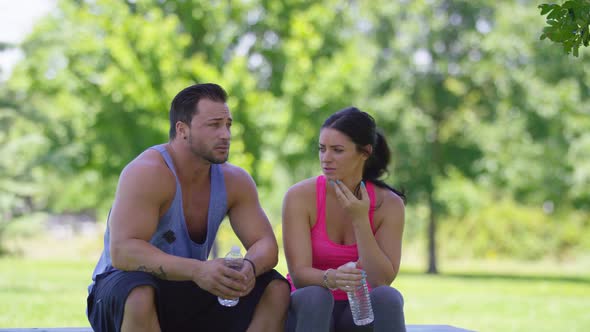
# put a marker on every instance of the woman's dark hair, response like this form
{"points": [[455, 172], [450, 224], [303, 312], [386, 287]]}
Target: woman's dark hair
{"points": [[184, 105], [360, 127]]}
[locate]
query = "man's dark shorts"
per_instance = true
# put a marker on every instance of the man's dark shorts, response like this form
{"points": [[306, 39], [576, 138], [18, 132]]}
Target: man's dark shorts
{"points": [[181, 305]]}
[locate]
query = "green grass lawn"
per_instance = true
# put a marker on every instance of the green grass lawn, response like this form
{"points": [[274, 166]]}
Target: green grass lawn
{"points": [[50, 293], [43, 293], [497, 303]]}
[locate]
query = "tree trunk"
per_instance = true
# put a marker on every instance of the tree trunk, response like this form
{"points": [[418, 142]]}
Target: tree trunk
{"points": [[432, 266], [434, 169]]}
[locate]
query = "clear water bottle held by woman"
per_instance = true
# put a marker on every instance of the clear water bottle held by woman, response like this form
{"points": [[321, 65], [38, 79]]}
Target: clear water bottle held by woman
{"points": [[234, 260], [360, 301]]}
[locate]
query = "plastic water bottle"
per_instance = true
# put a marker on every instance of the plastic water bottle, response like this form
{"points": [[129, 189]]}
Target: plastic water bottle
{"points": [[234, 260], [360, 301]]}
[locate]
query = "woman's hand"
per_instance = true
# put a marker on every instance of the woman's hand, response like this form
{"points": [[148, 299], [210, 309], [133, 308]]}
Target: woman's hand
{"points": [[345, 278], [358, 209]]}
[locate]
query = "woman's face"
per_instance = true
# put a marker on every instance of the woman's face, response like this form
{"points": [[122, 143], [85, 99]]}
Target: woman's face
{"points": [[339, 156]]}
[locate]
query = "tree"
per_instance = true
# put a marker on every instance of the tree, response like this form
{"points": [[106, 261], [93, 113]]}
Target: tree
{"points": [[425, 93], [284, 42], [567, 24], [463, 88], [464, 91], [20, 140], [100, 80]]}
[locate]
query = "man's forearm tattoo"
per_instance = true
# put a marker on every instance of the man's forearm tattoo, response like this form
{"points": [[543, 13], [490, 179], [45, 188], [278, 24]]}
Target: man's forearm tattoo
{"points": [[160, 273]]}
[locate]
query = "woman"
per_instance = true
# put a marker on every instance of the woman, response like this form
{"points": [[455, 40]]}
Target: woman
{"points": [[345, 215]]}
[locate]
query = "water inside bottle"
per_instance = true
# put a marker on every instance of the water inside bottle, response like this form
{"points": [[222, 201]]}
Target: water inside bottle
{"points": [[360, 302]]}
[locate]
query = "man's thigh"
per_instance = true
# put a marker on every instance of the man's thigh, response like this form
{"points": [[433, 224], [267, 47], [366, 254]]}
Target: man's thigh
{"points": [[181, 305], [242, 313], [106, 302], [207, 314], [185, 307]]}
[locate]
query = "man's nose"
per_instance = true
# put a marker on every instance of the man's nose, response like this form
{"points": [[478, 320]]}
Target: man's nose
{"points": [[225, 133]]}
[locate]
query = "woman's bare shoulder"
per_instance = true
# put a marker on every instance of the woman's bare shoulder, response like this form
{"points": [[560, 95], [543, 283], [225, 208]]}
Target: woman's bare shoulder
{"points": [[389, 203], [302, 189]]}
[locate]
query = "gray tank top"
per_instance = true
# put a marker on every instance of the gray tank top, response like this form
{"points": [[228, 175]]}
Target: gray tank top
{"points": [[172, 236]]}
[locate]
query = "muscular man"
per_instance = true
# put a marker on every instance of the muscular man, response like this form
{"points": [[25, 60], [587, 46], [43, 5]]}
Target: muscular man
{"points": [[153, 274]]}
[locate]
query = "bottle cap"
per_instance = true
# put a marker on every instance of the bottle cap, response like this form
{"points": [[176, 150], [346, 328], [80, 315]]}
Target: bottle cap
{"points": [[351, 264], [235, 249]]}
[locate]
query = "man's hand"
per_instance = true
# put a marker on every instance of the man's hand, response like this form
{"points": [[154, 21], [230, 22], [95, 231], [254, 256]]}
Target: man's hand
{"points": [[248, 271], [220, 280]]}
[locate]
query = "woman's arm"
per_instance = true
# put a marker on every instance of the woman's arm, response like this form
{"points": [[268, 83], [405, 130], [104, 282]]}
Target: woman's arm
{"points": [[297, 237], [379, 254]]}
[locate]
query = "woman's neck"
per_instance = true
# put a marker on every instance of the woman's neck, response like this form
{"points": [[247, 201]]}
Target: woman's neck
{"points": [[352, 183]]}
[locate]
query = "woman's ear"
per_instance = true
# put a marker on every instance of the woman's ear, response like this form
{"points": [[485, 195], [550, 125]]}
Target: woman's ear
{"points": [[367, 151]]}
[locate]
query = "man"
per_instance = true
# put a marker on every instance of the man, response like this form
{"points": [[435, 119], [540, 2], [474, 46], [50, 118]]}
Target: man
{"points": [[154, 274]]}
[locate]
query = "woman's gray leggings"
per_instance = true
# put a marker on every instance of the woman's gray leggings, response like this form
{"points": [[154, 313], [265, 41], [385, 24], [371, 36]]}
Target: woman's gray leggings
{"points": [[313, 309]]}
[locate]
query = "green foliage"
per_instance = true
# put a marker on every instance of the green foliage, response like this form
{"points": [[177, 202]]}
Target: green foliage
{"points": [[470, 101], [19, 180], [502, 229], [485, 223], [567, 24]]}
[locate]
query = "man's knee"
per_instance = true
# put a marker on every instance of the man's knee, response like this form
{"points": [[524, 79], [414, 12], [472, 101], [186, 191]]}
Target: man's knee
{"points": [[387, 297], [278, 291], [140, 303]]}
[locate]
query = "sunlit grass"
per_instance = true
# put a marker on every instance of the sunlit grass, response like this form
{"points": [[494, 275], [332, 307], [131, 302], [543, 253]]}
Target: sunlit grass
{"points": [[52, 293], [47, 288], [43, 293]]}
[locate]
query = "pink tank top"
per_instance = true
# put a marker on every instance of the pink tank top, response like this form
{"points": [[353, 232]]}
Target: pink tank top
{"points": [[325, 253]]}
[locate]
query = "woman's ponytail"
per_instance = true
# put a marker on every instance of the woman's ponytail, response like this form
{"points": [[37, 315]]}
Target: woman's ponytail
{"points": [[376, 165]]}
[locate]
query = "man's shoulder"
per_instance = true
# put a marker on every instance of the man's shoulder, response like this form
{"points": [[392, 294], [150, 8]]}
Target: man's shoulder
{"points": [[149, 160], [235, 173], [149, 168], [239, 183]]}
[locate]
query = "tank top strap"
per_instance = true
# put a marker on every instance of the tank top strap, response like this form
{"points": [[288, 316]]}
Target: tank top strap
{"points": [[218, 192], [320, 189], [167, 158], [371, 190]]}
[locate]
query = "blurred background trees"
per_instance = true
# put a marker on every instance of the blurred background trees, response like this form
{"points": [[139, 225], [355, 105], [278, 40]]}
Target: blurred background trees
{"points": [[488, 125]]}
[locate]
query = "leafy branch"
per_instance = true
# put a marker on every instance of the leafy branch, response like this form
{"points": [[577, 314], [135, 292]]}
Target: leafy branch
{"points": [[568, 24]]}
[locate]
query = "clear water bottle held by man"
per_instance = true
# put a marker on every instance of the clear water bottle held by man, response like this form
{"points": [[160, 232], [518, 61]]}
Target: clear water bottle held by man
{"points": [[360, 301], [234, 260]]}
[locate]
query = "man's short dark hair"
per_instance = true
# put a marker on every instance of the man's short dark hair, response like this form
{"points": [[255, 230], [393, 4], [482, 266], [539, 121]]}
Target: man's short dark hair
{"points": [[184, 105]]}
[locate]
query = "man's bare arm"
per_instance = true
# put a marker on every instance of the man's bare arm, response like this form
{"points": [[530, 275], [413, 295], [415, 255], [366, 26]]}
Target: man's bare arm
{"points": [[143, 188], [251, 223]]}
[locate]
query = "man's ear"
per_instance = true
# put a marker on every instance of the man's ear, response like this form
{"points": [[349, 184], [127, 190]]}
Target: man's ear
{"points": [[182, 129]]}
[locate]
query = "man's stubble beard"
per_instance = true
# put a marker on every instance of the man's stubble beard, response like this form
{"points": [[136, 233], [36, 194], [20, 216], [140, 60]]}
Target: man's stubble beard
{"points": [[201, 151]]}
